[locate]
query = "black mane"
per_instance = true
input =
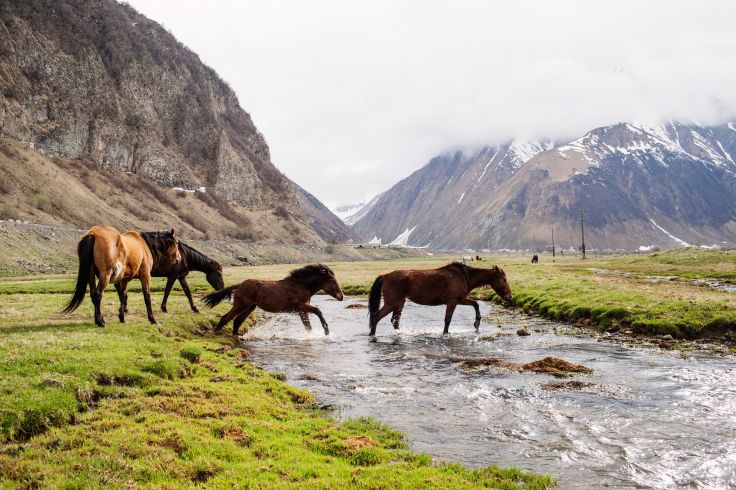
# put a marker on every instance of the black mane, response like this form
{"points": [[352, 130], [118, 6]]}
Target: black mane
{"points": [[158, 242], [195, 260], [310, 272]]}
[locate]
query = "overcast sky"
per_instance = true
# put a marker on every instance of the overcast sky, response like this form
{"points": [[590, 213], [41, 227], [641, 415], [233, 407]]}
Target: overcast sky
{"points": [[353, 96]]}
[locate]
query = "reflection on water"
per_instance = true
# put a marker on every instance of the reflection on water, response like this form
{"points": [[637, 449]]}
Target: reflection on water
{"points": [[650, 419]]}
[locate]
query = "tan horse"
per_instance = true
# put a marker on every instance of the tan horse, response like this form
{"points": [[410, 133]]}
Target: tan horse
{"points": [[289, 295], [112, 257], [448, 285]]}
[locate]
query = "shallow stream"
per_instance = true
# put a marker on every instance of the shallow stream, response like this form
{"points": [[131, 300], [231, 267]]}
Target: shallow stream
{"points": [[644, 418]]}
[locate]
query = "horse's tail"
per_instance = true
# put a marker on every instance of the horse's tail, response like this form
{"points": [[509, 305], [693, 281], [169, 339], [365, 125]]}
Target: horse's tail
{"points": [[374, 300], [214, 299], [85, 250]]}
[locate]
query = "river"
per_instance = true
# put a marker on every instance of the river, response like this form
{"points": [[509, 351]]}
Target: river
{"points": [[648, 418]]}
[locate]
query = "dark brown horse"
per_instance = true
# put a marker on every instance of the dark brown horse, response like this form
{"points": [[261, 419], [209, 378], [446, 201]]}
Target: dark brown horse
{"points": [[191, 260], [448, 285], [289, 295], [112, 257]]}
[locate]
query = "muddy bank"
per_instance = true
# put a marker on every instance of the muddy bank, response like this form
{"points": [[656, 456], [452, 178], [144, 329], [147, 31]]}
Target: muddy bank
{"points": [[554, 366]]}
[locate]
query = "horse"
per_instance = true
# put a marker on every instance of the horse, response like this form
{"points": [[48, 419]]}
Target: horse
{"points": [[191, 260], [448, 285], [112, 257], [288, 295], [535, 259]]}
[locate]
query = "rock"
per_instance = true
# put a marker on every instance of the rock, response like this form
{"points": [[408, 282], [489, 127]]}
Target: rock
{"points": [[523, 332]]}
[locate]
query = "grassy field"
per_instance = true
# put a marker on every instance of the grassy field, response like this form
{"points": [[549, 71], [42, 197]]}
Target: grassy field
{"points": [[173, 405]]}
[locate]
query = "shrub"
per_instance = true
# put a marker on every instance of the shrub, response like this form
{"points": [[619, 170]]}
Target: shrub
{"points": [[8, 212], [43, 202]]}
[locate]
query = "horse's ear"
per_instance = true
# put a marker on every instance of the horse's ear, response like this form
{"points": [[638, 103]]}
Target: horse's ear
{"points": [[172, 232], [495, 268]]}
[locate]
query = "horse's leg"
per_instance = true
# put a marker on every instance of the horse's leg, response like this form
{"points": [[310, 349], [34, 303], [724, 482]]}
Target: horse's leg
{"points": [[318, 312], [396, 316], [304, 316], [94, 296], [474, 304], [226, 318], [169, 284], [241, 318], [185, 287], [448, 315], [122, 289], [146, 287], [99, 290], [385, 310]]}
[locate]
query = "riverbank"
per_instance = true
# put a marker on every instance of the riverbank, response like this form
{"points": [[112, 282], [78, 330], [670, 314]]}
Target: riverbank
{"points": [[173, 405]]}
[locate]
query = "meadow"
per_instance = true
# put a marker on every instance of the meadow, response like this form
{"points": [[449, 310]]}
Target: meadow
{"points": [[174, 405]]}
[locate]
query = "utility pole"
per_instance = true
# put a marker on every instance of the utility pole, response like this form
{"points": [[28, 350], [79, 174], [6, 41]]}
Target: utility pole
{"points": [[553, 244], [582, 231]]}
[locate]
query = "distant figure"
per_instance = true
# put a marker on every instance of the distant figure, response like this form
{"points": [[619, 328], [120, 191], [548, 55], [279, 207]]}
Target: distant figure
{"points": [[477, 257], [535, 259]]}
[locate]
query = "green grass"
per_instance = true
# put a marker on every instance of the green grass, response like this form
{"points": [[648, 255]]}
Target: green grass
{"points": [[173, 405]]}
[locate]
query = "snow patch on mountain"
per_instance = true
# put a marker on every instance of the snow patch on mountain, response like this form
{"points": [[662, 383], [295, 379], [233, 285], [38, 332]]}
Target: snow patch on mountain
{"points": [[403, 239], [681, 242]]}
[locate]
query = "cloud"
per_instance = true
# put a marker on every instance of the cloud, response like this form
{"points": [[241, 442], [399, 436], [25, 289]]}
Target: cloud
{"points": [[352, 96]]}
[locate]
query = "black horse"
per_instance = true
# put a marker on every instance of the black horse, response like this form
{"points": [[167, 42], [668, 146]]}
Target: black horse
{"points": [[191, 260]]}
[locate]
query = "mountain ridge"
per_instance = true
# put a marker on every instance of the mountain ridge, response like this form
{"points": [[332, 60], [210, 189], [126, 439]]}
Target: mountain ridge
{"points": [[640, 185]]}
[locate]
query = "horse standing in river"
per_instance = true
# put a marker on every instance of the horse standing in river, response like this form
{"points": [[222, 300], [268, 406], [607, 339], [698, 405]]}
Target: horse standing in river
{"points": [[448, 285], [111, 257], [289, 295], [191, 260]]}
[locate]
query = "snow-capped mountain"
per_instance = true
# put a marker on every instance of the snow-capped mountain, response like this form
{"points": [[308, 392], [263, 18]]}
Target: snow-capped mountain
{"points": [[350, 213], [639, 184]]}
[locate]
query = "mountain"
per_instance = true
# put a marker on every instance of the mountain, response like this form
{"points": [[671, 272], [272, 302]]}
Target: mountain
{"points": [[327, 225], [95, 81], [351, 213], [430, 201], [639, 185]]}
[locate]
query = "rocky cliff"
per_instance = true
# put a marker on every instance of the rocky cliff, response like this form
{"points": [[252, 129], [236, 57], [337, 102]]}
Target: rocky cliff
{"points": [[96, 80]]}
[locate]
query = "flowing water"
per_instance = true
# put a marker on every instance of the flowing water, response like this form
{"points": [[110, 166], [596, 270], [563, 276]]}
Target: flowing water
{"points": [[647, 418]]}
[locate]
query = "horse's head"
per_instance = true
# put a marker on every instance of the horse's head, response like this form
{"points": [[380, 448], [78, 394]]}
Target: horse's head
{"points": [[329, 283], [171, 247], [499, 283], [214, 275]]}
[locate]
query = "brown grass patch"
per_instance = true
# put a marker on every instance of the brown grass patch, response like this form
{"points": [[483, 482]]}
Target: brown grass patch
{"points": [[359, 442]]}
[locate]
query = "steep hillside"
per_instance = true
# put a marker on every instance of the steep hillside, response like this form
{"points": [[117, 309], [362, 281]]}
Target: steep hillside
{"points": [[327, 225], [430, 201], [76, 193], [638, 184], [96, 81]]}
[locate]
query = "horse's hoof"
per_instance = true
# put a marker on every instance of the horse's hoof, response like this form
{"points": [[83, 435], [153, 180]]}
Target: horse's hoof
{"points": [[100, 324], [195, 310]]}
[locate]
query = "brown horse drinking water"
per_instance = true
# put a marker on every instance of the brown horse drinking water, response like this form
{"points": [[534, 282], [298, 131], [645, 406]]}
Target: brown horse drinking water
{"points": [[448, 285], [289, 295], [112, 257]]}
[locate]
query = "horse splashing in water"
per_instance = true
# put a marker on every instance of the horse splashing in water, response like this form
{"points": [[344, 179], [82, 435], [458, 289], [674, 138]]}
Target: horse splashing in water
{"points": [[191, 260], [289, 295], [448, 285], [109, 256]]}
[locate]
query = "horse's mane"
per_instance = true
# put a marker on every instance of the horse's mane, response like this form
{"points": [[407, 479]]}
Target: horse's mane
{"points": [[195, 259], [309, 272], [459, 267], [158, 242]]}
